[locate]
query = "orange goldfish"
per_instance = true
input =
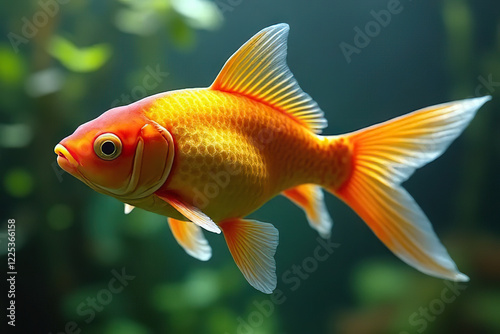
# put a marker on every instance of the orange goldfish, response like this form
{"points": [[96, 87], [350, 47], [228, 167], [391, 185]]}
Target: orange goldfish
{"points": [[208, 157]]}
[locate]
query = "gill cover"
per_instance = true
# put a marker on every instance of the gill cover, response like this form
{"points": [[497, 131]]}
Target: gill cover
{"points": [[152, 162]]}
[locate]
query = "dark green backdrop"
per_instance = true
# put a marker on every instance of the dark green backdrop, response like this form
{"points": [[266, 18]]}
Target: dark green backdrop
{"points": [[84, 267]]}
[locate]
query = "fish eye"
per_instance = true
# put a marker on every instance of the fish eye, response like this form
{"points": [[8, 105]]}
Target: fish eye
{"points": [[108, 146]]}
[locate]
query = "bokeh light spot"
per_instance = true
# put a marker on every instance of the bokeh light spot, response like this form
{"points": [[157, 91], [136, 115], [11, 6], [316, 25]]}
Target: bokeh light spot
{"points": [[18, 182], [60, 217]]}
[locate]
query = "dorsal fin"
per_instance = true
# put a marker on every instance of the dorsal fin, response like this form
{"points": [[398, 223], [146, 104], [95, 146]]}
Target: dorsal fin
{"points": [[258, 70]]}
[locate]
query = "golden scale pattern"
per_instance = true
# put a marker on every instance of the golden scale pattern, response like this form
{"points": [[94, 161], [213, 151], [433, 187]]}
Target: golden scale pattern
{"points": [[234, 154]]}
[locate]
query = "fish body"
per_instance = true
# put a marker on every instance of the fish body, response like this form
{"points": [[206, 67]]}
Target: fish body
{"points": [[208, 157], [233, 154]]}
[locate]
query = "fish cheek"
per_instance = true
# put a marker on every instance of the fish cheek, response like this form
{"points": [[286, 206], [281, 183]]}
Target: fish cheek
{"points": [[113, 174]]}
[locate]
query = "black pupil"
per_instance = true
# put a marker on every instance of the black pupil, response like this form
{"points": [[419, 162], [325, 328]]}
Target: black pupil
{"points": [[108, 148]]}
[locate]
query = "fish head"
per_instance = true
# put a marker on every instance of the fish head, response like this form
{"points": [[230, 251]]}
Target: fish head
{"points": [[121, 153]]}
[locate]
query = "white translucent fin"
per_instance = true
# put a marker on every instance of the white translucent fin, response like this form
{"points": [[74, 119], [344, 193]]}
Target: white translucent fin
{"points": [[128, 208], [253, 245], [191, 212], [258, 70], [386, 154], [309, 197], [190, 237]]}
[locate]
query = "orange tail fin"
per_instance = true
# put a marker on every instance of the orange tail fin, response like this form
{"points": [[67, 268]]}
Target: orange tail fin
{"points": [[387, 154]]}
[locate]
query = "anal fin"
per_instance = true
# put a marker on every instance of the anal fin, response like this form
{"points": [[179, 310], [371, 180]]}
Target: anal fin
{"points": [[309, 197]]}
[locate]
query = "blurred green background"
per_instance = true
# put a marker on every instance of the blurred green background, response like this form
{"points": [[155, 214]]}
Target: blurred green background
{"points": [[65, 62]]}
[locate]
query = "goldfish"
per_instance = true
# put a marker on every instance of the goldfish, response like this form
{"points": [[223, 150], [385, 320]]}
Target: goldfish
{"points": [[206, 158]]}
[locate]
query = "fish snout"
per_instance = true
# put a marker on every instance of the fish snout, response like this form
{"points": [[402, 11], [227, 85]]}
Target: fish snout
{"points": [[64, 159]]}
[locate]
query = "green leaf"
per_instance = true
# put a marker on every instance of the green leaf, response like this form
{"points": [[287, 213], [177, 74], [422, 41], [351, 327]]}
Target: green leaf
{"points": [[199, 14], [11, 66], [180, 33], [79, 59], [139, 22]]}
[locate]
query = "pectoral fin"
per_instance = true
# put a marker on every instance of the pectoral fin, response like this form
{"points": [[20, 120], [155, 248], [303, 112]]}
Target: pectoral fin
{"points": [[191, 212], [191, 238], [309, 197], [128, 208], [253, 245]]}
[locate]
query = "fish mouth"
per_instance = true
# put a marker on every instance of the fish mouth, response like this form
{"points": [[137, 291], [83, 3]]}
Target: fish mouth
{"points": [[68, 163], [64, 159]]}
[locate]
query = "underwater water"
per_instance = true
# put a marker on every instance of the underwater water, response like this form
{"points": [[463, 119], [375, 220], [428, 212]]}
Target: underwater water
{"points": [[83, 266]]}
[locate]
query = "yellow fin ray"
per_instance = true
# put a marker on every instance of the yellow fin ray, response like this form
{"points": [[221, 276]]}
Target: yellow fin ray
{"points": [[258, 70]]}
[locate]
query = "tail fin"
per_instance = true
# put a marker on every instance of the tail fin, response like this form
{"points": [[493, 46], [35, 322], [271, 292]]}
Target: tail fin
{"points": [[387, 154]]}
